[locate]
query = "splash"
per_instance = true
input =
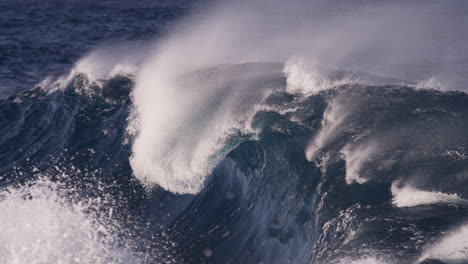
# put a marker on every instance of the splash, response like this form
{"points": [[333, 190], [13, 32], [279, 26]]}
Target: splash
{"points": [[311, 80], [39, 226], [431, 83]]}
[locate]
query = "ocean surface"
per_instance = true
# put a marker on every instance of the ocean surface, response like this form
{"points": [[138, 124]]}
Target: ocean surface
{"points": [[267, 132]]}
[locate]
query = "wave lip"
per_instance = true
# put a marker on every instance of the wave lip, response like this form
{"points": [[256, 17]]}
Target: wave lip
{"points": [[408, 196], [185, 124]]}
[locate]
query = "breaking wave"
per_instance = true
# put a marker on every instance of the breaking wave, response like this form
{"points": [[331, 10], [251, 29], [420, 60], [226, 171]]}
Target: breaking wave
{"points": [[236, 140]]}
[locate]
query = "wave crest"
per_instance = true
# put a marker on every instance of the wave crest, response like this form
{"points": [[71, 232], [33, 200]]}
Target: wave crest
{"points": [[408, 196]]}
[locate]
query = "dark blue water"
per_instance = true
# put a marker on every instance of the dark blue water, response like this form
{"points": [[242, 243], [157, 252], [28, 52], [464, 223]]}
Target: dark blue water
{"points": [[358, 173], [41, 39]]}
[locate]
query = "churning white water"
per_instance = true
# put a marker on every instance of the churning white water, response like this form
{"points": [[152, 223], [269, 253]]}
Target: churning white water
{"points": [[40, 226]]}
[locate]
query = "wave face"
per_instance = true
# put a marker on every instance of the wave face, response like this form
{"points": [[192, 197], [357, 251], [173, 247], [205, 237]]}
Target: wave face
{"points": [[354, 173]]}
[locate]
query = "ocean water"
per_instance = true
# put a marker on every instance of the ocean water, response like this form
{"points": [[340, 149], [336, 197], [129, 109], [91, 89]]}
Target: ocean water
{"points": [[233, 132]]}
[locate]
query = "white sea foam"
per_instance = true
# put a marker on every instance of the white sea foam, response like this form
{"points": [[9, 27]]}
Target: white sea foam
{"points": [[333, 117], [38, 226], [101, 64], [452, 248], [431, 83], [364, 260], [355, 159], [355, 156], [408, 196], [309, 80]]}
